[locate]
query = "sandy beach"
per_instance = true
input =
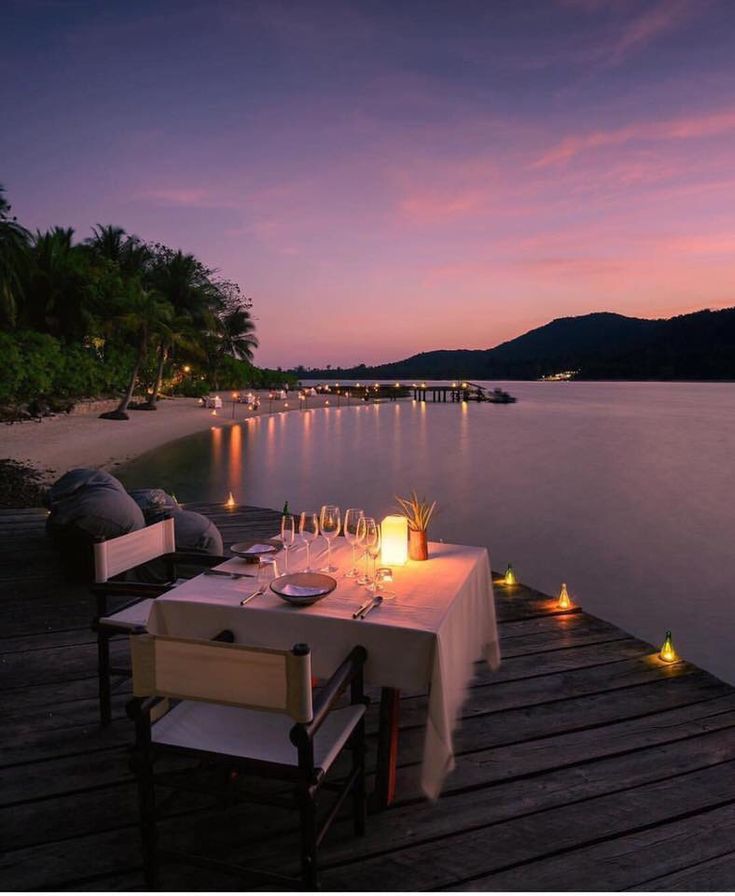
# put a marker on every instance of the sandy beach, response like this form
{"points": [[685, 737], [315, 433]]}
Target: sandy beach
{"points": [[57, 444]]}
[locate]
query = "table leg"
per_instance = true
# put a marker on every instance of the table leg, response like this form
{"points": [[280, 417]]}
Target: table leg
{"points": [[385, 775]]}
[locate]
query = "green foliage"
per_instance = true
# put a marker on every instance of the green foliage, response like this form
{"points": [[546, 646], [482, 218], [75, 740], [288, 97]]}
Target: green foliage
{"points": [[143, 302], [193, 388], [39, 366]]}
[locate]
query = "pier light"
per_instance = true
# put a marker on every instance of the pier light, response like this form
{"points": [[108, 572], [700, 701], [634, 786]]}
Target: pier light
{"points": [[326, 402], [510, 577], [187, 369], [565, 602], [231, 503], [423, 385], [454, 385], [668, 653], [464, 385], [398, 385], [214, 413], [394, 540]]}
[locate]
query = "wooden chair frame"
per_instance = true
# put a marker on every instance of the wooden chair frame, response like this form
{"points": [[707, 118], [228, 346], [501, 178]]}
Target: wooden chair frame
{"points": [[306, 778], [117, 590]]}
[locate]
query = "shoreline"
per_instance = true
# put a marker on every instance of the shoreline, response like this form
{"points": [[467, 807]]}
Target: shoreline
{"points": [[57, 444]]}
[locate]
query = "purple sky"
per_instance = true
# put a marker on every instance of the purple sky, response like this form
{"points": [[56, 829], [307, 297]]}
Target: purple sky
{"points": [[390, 177]]}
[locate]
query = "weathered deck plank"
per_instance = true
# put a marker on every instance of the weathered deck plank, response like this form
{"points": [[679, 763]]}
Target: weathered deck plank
{"points": [[584, 763]]}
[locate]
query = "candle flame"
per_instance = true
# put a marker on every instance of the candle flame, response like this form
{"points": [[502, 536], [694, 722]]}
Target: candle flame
{"points": [[668, 653], [565, 601], [510, 576], [231, 502]]}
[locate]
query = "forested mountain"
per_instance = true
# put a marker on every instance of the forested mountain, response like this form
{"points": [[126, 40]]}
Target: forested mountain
{"points": [[699, 346]]}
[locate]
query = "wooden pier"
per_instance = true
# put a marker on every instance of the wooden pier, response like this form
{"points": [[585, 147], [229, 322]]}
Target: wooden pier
{"points": [[583, 763], [459, 392], [455, 392]]}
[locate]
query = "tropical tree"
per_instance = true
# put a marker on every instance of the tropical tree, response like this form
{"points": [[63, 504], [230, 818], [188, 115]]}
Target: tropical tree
{"points": [[233, 337], [143, 315], [61, 290], [14, 243], [185, 284]]}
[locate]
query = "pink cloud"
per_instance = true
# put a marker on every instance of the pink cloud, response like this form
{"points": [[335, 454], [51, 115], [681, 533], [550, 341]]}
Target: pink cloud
{"points": [[684, 128]]}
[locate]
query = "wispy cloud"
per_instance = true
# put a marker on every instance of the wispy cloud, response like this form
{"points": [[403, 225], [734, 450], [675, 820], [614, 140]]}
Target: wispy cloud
{"points": [[647, 26], [683, 128]]}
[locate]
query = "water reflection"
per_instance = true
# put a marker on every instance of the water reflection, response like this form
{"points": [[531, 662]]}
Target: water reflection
{"points": [[624, 491]]}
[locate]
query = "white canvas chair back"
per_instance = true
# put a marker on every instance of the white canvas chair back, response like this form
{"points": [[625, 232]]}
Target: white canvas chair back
{"points": [[218, 672], [128, 551]]}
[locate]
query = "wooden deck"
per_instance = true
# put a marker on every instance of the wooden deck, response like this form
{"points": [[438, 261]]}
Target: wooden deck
{"points": [[584, 763]]}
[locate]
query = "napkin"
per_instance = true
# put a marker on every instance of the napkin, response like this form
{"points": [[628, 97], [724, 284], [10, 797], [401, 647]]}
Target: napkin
{"points": [[300, 590]]}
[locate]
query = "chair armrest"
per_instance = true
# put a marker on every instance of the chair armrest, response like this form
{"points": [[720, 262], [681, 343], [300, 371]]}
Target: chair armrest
{"points": [[349, 671], [138, 707], [129, 589]]}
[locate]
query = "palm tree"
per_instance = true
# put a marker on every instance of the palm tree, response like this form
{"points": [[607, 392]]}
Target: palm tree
{"points": [[144, 315], [14, 243], [237, 334], [184, 283], [60, 295], [234, 336]]}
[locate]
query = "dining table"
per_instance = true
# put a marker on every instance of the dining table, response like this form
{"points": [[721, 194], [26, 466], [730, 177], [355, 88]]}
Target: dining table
{"points": [[426, 638]]}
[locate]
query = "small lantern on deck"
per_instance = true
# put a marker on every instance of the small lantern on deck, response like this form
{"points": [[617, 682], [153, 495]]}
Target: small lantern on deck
{"points": [[668, 653], [510, 577], [565, 602], [394, 540], [231, 503]]}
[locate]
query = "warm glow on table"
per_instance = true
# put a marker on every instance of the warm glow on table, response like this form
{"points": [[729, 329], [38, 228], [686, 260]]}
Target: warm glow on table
{"points": [[394, 532]]}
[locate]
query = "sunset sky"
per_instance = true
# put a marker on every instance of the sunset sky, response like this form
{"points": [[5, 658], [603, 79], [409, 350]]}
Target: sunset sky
{"points": [[391, 177]]}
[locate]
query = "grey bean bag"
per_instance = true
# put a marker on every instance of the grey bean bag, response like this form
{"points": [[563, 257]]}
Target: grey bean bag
{"points": [[86, 505], [194, 532]]}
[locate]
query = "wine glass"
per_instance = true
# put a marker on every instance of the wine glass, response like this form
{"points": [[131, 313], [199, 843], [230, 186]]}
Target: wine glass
{"points": [[373, 541], [329, 524], [308, 530], [367, 535], [267, 571], [352, 519], [288, 534]]}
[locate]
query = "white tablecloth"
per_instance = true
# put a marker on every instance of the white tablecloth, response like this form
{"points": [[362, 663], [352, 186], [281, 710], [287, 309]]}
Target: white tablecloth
{"points": [[441, 621]]}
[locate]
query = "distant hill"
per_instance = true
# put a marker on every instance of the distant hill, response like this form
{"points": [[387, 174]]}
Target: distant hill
{"points": [[699, 346]]}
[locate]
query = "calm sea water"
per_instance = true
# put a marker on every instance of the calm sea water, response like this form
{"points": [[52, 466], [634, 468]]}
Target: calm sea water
{"points": [[624, 491]]}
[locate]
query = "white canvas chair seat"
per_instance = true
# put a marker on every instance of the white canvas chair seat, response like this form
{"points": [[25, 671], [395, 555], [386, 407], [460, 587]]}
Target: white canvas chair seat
{"points": [[250, 733], [133, 617]]}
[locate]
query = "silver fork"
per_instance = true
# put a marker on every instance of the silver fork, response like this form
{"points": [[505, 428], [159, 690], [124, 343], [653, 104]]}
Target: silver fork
{"points": [[259, 591]]}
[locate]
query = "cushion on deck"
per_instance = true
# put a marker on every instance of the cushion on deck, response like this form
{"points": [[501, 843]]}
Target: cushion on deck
{"points": [[155, 503], [86, 505], [194, 532], [250, 734]]}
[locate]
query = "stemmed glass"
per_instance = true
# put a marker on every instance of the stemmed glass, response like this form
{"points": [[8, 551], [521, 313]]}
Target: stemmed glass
{"points": [[372, 544], [352, 519], [288, 534], [329, 523], [308, 530], [367, 535]]}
